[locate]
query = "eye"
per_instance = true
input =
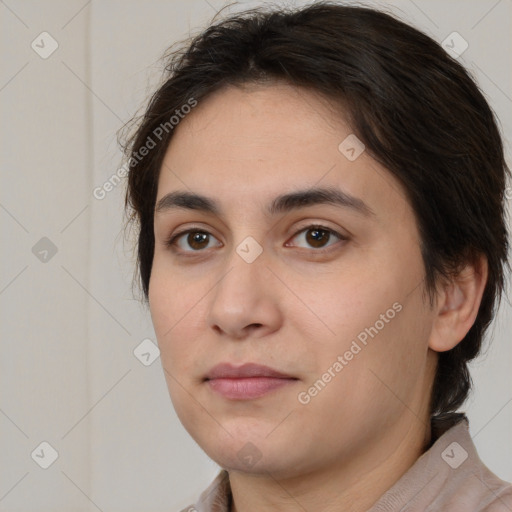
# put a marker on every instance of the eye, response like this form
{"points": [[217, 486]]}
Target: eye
{"points": [[318, 236], [196, 239]]}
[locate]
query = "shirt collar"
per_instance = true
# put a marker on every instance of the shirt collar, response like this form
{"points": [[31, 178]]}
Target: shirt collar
{"points": [[450, 459]]}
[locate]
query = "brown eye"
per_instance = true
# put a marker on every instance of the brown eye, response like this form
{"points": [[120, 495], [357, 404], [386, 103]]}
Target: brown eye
{"points": [[192, 240], [197, 239], [318, 237]]}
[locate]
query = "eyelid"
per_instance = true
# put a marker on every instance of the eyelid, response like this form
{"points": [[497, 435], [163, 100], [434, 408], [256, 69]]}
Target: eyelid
{"points": [[171, 241], [321, 227]]}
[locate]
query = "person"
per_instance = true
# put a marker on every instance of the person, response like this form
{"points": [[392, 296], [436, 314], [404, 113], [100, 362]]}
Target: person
{"points": [[318, 194]]}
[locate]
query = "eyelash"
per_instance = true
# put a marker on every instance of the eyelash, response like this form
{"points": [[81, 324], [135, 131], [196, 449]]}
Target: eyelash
{"points": [[171, 242]]}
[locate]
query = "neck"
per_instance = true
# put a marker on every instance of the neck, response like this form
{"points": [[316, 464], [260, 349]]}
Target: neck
{"points": [[353, 485]]}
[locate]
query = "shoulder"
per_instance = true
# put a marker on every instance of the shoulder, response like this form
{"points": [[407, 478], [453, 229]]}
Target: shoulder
{"points": [[449, 476], [501, 501], [468, 484], [216, 498]]}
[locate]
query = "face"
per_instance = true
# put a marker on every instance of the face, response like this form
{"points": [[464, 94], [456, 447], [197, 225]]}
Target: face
{"points": [[325, 290]]}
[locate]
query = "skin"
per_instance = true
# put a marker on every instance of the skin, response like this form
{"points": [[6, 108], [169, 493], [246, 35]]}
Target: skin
{"points": [[296, 309]]}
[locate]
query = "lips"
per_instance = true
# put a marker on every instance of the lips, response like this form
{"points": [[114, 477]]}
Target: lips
{"points": [[246, 382], [228, 371]]}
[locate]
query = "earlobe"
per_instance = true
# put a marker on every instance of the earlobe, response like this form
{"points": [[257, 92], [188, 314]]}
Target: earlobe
{"points": [[457, 305]]}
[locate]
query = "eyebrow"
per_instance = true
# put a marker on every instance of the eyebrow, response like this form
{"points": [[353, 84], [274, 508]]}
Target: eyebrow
{"points": [[281, 204]]}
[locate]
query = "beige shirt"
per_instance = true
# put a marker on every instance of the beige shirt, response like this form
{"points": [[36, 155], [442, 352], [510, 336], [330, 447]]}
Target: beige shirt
{"points": [[449, 476]]}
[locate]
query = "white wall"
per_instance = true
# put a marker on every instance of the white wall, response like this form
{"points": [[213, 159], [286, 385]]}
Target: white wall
{"points": [[69, 325]]}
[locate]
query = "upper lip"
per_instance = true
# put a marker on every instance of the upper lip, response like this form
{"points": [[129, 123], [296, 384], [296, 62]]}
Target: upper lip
{"points": [[229, 371]]}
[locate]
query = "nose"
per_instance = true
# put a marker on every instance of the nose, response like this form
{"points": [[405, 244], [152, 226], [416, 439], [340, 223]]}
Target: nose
{"points": [[245, 301]]}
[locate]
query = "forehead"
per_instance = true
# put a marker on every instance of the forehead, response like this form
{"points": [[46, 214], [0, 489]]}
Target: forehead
{"points": [[272, 122], [250, 144]]}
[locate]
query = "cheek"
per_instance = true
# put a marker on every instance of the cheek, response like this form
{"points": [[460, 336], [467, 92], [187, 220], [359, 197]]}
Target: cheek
{"points": [[394, 358], [171, 297], [376, 316], [172, 305], [162, 302], [346, 304]]}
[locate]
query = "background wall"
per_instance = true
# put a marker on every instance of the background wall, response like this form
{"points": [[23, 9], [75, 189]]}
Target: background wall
{"points": [[69, 322]]}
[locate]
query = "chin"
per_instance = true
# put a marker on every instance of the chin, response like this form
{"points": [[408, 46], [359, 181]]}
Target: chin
{"points": [[248, 448]]}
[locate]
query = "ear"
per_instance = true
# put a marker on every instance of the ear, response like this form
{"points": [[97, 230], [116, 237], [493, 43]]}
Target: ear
{"points": [[458, 302]]}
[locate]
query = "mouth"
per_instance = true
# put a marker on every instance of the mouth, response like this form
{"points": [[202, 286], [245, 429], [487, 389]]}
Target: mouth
{"points": [[246, 382]]}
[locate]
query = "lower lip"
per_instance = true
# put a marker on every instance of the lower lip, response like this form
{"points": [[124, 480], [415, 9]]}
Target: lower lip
{"points": [[247, 388]]}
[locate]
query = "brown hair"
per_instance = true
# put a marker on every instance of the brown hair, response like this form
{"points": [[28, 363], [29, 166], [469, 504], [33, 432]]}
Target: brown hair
{"points": [[416, 109]]}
